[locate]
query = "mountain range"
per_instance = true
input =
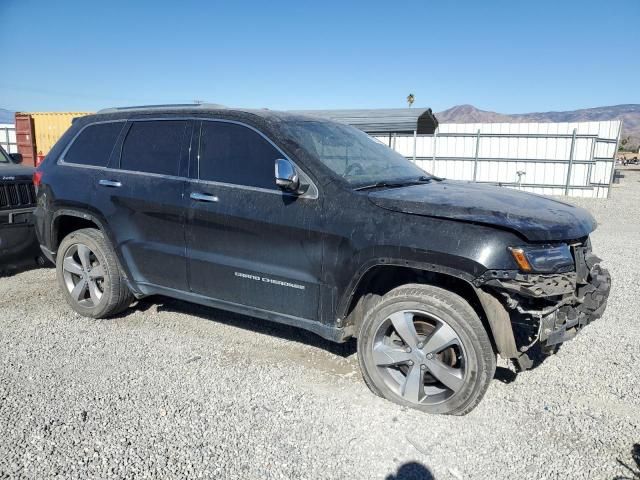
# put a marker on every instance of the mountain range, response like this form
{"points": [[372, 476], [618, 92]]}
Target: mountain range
{"points": [[629, 114]]}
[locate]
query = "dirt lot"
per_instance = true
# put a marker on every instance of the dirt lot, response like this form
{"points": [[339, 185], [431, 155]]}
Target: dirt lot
{"points": [[171, 390]]}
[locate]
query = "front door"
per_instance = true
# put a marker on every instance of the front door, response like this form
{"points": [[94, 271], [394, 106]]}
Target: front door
{"points": [[249, 243]]}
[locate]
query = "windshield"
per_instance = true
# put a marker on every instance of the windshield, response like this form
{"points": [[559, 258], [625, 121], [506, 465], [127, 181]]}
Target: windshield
{"points": [[352, 154], [4, 158]]}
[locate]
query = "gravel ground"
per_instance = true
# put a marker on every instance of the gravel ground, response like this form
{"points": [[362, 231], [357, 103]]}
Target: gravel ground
{"points": [[173, 390]]}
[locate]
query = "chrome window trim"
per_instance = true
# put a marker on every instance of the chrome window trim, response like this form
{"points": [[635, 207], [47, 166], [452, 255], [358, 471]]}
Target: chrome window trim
{"points": [[312, 192], [307, 195]]}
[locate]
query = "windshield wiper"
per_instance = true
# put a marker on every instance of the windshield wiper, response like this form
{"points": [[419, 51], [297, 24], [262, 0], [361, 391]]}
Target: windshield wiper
{"points": [[405, 183], [398, 184], [384, 185], [428, 178]]}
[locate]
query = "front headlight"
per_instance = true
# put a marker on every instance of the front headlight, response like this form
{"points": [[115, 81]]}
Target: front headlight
{"points": [[543, 258]]}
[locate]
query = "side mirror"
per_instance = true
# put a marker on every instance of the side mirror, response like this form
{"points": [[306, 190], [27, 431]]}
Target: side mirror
{"points": [[286, 176], [16, 157]]}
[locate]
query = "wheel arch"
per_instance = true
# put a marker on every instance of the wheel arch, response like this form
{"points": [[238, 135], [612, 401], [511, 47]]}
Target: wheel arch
{"points": [[383, 276], [68, 220]]}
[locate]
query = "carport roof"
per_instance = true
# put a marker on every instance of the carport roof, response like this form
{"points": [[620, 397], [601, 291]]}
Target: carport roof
{"points": [[382, 120]]}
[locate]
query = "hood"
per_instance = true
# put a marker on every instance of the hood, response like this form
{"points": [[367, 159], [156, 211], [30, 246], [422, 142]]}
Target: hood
{"points": [[535, 217], [11, 171]]}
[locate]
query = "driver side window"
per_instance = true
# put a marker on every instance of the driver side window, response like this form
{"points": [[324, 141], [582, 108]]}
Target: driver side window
{"points": [[235, 154]]}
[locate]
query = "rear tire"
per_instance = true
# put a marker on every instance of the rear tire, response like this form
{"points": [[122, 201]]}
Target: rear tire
{"points": [[90, 276], [424, 347]]}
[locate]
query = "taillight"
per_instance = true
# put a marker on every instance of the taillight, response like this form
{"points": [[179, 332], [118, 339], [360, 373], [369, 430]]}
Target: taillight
{"points": [[37, 178]]}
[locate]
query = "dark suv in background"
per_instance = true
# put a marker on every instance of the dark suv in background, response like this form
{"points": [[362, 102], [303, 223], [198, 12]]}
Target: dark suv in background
{"points": [[18, 242], [312, 223]]}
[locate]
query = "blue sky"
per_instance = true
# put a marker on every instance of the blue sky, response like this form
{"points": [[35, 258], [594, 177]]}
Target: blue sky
{"points": [[507, 56]]}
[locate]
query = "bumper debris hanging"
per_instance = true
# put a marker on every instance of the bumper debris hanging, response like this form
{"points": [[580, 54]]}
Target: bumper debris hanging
{"points": [[549, 309]]}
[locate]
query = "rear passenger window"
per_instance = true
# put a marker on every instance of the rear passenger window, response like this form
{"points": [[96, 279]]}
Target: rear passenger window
{"points": [[153, 147], [232, 153], [94, 144]]}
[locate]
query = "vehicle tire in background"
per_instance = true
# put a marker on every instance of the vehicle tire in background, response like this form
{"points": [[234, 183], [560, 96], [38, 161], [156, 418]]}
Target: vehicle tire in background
{"points": [[90, 276], [425, 347]]}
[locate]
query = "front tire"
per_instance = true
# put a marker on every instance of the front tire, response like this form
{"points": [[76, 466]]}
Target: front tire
{"points": [[90, 276], [424, 347]]}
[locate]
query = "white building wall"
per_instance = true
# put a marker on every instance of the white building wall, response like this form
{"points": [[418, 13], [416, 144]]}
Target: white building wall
{"points": [[540, 152], [8, 137]]}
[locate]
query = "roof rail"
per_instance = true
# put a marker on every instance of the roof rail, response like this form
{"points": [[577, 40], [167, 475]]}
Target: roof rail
{"points": [[163, 106]]}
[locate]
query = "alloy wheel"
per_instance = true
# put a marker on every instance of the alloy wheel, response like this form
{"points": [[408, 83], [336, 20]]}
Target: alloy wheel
{"points": [[419, 357], [83, 275]]}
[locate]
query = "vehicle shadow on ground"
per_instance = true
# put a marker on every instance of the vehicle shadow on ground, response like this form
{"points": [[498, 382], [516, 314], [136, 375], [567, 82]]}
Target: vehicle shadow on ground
{"points": [[285, 332], [633, 473], [537, 357], [11, 271], [411, 471]]}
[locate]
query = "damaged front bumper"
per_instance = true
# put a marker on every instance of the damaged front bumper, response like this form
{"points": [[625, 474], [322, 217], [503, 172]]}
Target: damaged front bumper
{"points": [[546, 310], [562, 324]]}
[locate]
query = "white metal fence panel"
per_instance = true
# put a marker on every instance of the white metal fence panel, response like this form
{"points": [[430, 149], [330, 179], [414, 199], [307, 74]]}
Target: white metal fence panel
{"points": [[575, 159], [8, 137]]}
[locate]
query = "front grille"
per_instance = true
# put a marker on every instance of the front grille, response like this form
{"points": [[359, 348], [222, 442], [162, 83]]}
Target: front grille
{"points": [[17, 195]]}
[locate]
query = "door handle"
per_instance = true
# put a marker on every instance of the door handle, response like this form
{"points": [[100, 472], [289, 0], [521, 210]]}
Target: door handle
{"points": [[109, 183], [203, 197]]}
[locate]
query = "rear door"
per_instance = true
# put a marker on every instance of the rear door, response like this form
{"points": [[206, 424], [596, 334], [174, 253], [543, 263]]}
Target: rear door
{"points": [[249, 243], [142, 197], [86, 156]]}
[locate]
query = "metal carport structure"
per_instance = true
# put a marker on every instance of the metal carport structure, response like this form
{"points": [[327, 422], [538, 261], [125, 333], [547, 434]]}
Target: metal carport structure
{"points": [[388, 122], [420, 121]]}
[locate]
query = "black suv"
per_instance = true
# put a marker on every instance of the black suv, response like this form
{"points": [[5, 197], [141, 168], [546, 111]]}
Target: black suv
{"points": [[312, 223], [18, 242]]}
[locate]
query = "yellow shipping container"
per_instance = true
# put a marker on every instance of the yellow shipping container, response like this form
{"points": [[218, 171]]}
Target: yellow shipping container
{"points": [[49, 126]]}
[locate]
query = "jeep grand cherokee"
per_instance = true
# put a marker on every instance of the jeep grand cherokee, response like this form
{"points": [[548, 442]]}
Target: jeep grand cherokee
{"points": [[18, 242], [311, 223]]}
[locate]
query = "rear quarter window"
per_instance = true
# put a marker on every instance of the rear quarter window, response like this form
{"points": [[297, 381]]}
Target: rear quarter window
{"points": [[94, 144]]}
